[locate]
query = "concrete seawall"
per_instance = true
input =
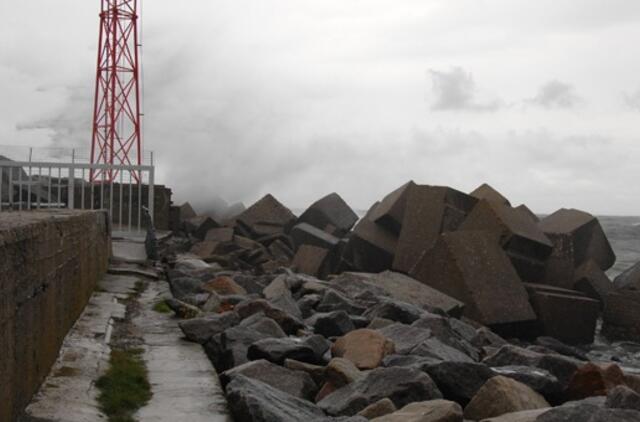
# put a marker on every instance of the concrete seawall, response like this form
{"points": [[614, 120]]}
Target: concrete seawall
{"points": [[50, 263]]}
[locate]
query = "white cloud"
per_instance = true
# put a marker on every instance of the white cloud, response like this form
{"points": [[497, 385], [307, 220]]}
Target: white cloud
{"points": [[556, 94]]}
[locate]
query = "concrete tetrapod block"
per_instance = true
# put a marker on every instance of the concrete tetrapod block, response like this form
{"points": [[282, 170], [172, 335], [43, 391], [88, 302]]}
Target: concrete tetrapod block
{"points": [[430, 211], [621, 316], [487, 192], [200, 226], [566, 315], [331, 214], [471, 267], [577, 237], [371, 247], [527, 211], [186, 211], [267, 216], [593, 282], [312, 260], [629, 279], [525, 244], [390, 213]]}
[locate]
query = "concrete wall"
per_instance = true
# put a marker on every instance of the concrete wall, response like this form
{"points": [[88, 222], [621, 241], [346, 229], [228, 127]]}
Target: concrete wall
{"points": [[50, 263]]}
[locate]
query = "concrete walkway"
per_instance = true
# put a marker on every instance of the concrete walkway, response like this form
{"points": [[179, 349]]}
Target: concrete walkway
{"points": [[184, 384]]}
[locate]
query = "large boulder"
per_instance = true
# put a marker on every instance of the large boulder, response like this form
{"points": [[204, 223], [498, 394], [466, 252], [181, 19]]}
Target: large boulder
{"points": [[229, 348], [365, 348], [426, 411], [502, 395], [200, 330], [253, 400], [628, 279], [621, 316], [401, 385], [525, 244], [297, 383], [390, 212], [267, 217], [577, 237], [566, 315], [331, 214], [471, 267], [430, 211]]}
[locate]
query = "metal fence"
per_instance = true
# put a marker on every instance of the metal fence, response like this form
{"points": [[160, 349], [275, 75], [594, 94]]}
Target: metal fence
{"points": [[120, 189]]}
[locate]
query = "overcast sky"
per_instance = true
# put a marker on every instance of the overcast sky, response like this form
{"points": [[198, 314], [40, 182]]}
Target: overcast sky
{"points": [[301, 98]]}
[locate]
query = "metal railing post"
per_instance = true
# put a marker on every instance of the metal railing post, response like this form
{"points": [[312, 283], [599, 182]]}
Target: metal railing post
{"points": [[151, 192], [71, 188]]}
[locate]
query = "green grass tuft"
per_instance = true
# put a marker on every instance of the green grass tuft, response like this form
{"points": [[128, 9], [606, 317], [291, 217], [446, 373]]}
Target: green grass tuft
{"points": [[162, 307], [125, 387]]}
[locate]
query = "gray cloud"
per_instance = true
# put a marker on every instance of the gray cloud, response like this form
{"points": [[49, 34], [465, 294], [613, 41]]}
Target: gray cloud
{"points": [[456, 90], [633, 100], [556, 94]]}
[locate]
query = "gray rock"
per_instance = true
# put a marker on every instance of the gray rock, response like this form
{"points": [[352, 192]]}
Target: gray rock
{"points": [[395, 311], [459, 381], [289, 323], [418, 363], [229, 348], [622, 397], [297, 383], [401, 385], [307, 304], [262, 324], [538, 379], [334, 301], [182, 287], [200, 330], [252, 400], [276, 350], [588, 413], [286, 302], [434, 348], [331, 324], [441, 329], [405, 337]]}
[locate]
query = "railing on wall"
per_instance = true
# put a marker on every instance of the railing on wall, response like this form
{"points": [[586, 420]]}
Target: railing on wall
{"points": [[120, 189]]}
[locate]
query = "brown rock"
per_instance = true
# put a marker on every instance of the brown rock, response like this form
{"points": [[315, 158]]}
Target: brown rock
{"points": [[326, 389], [340, 372], [594, 380], [426, 411], [471, 267], [224, 285], [502, 395], [380, 408], [365, 348], [488, 193], [430, 211], [524, 416]]}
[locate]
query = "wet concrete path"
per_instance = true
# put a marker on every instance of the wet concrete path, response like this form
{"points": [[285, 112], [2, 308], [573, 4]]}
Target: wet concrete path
{"points": [[184, 384]]}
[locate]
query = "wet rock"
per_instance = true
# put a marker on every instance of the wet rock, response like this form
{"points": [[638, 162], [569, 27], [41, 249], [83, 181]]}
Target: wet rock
{"points": [[401, 385], [365, 348], [297, 383], [229, 348], [459, 381], [593, 282], [312, 260], [588, 413], [430, 211], [182, 309], [577, 237], [426, 411], [395, 311], [474, 281], [200, 330], [406, 289], [380, 408], [629, 279], [306, 234], [330, 214], [331, 324], [267, 216], [371, 247], [289, 323], [621, 316], [316, 372], [200, 226], [500, 395], [405, 337], [390, 212], [538, 379], [276, 350], [622, 397], [340, 372], [224, 286], [184, 286], [525, 244], [566, 315], [594, 380], [262, 324], [252, 400], [488, 193], [334, 301], [434, 348], [562, 367]]}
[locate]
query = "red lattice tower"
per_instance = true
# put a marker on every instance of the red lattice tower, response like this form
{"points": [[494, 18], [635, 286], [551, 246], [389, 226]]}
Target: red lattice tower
{"points": [[116, 115]]}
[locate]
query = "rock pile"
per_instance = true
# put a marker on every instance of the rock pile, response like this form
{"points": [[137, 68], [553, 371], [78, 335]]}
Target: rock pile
{"points": [[403, 315]]}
